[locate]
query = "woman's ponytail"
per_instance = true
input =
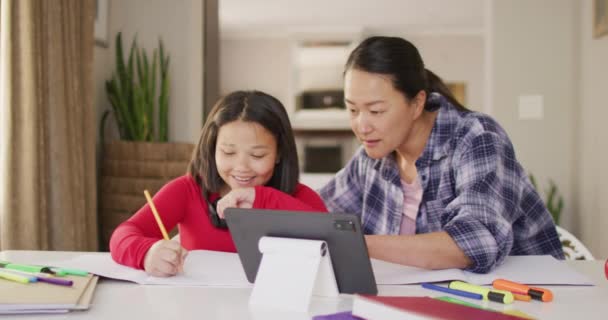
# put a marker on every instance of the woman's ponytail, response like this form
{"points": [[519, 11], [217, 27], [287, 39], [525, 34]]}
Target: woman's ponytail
{"points": [[436, 84]]}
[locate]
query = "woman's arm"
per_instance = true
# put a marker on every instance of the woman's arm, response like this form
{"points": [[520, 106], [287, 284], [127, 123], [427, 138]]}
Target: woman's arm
{"points": [[344, 193], [487, 192], [436, 250], [476, 223]]}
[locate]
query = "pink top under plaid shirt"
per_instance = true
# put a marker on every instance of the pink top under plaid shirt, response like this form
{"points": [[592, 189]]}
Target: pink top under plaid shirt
{"points": [[412, 196]]}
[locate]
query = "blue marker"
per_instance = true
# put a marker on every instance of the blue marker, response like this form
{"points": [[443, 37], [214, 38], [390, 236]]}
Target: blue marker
{"points": [[453, 291]]}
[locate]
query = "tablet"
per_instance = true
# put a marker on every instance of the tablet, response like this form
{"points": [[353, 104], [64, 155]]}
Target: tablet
{"points": [[342, 232]]}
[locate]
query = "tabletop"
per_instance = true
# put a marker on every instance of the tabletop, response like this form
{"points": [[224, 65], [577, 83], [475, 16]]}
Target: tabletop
{"points": [[125, 300]]}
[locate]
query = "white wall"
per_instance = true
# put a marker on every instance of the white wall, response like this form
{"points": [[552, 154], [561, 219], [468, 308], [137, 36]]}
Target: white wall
{"points": [[319, 67], [535, 53], [269, 64], [180, 24], [103, 68], [257, 63], [455, 58], [592, 112]]}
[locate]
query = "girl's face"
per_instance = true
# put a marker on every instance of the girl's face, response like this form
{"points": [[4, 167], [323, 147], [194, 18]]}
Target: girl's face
{"points": [[380, 116], [245, 154]]}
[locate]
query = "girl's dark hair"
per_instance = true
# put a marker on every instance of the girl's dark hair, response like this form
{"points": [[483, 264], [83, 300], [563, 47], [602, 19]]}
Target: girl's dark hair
{"points": [[249, 106], [400, 60]]}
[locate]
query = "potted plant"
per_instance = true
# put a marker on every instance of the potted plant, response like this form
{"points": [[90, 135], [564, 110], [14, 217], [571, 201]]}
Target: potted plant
{"points": [[132, 94], [142, 158], [554, 200], [573, 248]]}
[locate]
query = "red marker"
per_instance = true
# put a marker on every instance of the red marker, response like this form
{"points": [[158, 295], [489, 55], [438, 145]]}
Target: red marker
{"points": [[606, 269], [536, 293]]}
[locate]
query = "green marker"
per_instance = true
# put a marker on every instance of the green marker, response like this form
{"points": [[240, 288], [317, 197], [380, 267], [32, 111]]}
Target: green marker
{"points": [[67, 271], [501, 296], [24, 267]]}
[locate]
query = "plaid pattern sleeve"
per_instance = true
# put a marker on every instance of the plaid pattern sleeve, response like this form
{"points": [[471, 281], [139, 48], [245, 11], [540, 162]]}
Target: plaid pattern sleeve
{"points": [[486, 183], [487, 202], [494, 209], [344, 193]]}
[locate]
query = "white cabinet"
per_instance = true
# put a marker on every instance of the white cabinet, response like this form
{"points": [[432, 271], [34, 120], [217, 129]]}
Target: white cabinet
{"points": [[318, 67], [321, 124]]}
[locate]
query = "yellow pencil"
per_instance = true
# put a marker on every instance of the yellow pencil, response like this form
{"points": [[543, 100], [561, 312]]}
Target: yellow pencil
{"points": [[156, 216]]}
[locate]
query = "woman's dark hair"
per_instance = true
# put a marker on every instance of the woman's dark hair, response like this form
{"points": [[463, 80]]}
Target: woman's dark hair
{"points": [[400, 60], [249, 106]]}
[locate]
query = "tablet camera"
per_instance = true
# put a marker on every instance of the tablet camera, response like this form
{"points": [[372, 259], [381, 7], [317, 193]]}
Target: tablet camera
{"points": [[344, 225]]}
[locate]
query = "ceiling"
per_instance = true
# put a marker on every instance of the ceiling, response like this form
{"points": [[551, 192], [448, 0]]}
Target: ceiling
{"points": [[281, 16]]}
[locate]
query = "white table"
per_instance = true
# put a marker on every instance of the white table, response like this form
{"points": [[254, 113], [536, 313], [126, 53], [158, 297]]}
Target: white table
{"points": [[125, 300]]}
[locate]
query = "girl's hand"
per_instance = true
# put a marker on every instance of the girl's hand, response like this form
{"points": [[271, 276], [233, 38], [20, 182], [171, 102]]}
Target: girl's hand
{"points": [[165, 258], [236, 198]]}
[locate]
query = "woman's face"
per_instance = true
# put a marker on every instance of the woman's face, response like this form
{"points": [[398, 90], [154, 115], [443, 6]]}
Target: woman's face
{"points": [[380, 116], [245, 154]]}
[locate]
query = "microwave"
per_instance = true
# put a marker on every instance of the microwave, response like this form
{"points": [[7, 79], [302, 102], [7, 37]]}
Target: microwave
{"points": [[321, 99], [325, 152]]}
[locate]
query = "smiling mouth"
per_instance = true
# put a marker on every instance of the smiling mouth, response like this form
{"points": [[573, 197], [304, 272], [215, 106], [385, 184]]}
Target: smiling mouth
{"points": [[243, 179]]}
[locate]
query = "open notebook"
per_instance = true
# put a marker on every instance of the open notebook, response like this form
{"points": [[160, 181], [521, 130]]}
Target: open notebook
{"points": [[202, 268], [212, 268], [41, 297], [537, 270]]}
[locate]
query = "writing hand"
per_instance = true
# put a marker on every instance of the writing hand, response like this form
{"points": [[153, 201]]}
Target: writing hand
{"points": [[236, 198], [165, 258]]}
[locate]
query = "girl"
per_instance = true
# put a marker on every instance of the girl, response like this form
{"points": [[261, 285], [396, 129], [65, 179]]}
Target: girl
{"points": [[246, 157], [436, 185]]}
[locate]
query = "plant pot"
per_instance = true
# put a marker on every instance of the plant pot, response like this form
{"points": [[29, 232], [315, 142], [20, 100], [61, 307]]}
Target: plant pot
{"points": [[127, 168]]}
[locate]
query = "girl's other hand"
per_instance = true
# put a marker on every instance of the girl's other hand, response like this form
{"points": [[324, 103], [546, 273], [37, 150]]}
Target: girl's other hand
{"points": [[236, 198], [165, 258]]}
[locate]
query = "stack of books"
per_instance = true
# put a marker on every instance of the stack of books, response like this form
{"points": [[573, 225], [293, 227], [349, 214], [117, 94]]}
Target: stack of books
{"points": [[45, 294]]}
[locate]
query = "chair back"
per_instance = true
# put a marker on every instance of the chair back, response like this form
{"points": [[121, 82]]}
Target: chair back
{"points": [[574, 249]]}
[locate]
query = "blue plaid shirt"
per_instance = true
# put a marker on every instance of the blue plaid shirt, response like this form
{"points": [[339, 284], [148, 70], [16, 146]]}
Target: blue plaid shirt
{"points": [[474, 189]]}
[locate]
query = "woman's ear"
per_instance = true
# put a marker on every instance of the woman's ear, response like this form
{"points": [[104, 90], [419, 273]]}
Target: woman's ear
{"points": [[419, 101]]}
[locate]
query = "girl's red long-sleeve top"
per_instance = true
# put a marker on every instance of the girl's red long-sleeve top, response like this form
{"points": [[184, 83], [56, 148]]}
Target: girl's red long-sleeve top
{"points": [[180, 203]]}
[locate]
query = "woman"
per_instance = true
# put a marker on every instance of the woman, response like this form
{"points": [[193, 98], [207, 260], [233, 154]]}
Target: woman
{"points": [[436, 185]]}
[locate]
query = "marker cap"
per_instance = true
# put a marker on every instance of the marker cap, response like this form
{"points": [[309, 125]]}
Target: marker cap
{"points": [[541, 294]]}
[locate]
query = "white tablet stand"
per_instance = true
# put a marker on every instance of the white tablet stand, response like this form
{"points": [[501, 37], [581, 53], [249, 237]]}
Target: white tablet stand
{"points": [[291, 271]]}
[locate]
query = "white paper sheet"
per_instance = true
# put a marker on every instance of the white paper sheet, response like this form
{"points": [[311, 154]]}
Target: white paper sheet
{"points": [[201, 268], [212, 268], [537, 270]]}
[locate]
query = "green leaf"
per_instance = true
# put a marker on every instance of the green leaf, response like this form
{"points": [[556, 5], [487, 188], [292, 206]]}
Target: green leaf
{"points": [[102, 126], [533, 181], [152, 93]]}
